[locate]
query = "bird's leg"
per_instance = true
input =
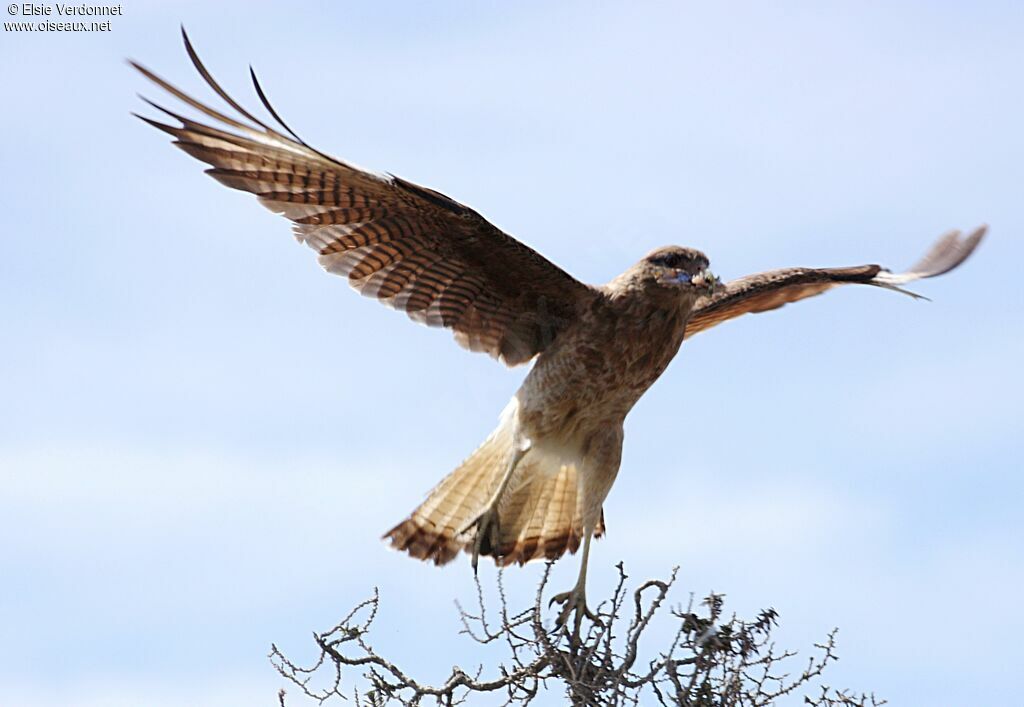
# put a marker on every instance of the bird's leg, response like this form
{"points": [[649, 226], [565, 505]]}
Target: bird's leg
{"points": [[575, 600], [486, 523], [603, 452]]}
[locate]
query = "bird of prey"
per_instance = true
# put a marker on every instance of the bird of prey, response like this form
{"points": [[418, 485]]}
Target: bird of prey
{"points": [[536, 486]]}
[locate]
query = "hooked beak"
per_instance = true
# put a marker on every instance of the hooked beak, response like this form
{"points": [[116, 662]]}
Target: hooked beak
{"points": [[706, 280]]}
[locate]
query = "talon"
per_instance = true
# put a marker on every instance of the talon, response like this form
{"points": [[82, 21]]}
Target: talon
{"points": [[575, 602], [560, 599], [486, 531]]}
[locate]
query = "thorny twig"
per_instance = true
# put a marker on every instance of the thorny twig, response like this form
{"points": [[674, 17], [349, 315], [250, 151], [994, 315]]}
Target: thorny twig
{"points": [[711, 661]]}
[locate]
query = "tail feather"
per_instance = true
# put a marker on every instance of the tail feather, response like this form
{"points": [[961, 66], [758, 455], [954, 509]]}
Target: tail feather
{"points": [[540, 515], [458, 499], [432, 531], [550, 520]]}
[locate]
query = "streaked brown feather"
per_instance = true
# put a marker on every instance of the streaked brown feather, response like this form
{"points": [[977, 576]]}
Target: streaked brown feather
{"points": [[444, 265], [766, 291]]}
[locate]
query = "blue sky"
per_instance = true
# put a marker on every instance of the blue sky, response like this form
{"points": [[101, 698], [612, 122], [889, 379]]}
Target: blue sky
{"points": [[200, 442]]}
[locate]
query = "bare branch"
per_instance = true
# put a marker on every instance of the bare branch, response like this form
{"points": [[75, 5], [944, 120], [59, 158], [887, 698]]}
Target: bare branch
{"points": [[711, 661]]}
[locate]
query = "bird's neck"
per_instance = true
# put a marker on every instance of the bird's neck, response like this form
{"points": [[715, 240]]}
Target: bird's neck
{"points": [[647, 297]]}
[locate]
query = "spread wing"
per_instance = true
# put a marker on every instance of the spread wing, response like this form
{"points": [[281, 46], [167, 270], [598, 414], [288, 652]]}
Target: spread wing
{"points": [[410, 247], [770, 290]]}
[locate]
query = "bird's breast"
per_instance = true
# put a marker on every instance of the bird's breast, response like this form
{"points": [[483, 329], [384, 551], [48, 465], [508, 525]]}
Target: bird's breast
{"points": [[597, 370]]}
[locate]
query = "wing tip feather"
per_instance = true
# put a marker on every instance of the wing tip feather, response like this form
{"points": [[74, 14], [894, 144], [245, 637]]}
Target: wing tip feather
{"points": [[949, 252]]}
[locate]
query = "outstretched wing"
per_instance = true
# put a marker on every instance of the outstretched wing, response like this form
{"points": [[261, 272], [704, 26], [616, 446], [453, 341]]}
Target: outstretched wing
{"points": [[410, 247], [770, 290]]}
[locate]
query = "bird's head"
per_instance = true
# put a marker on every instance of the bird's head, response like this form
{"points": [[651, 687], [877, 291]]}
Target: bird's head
{"points": [[680, 269]]}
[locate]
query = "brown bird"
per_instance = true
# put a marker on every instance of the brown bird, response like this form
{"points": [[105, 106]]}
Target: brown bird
{"points": [[536, 486]]}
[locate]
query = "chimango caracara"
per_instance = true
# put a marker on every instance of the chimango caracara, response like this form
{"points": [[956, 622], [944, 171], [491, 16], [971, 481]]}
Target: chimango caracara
{"points": [[535, 487]]}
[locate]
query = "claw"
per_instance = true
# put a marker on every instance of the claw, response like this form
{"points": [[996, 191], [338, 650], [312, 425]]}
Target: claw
{"points": [[574, 601], [486, 528]]}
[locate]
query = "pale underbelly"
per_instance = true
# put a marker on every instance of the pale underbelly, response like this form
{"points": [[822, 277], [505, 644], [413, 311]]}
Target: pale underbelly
{"points": [[570, 401]]}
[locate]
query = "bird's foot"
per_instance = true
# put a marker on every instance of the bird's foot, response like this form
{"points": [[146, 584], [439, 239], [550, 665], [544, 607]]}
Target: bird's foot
{"points": [[485, 535], [574, 601]]}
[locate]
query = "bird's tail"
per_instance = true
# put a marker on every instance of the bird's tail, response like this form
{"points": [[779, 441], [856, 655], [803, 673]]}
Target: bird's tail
{"points": [[540, 515]]}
